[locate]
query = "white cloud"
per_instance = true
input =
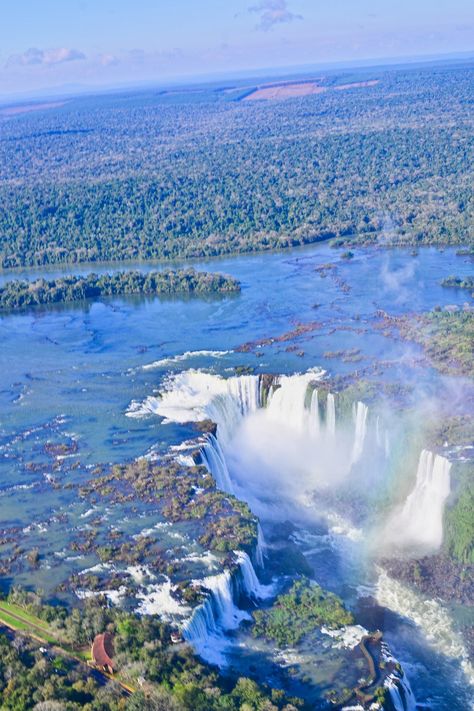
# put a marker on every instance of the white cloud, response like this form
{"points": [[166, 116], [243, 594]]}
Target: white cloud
{"points": [[107, 60], [35, 56], [273, 12]]}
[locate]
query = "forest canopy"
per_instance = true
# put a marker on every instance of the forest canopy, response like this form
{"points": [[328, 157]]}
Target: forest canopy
{"points": [[146, 175]]}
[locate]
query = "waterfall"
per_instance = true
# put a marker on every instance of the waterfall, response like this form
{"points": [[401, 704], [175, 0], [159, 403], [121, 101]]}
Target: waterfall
{"points": [[260, 551], [401, 693], [205, 629], [252, 586], [241, 396], [361, 411], [420, 521], [315, 425], [383, 442], [203, 633], [331, 415], [217, 613], [287, 402], [227, 614], [214, 460], [192, 396], [201, 624]]}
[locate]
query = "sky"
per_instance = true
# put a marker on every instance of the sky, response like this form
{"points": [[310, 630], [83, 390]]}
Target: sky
{"points": [[46, 44]]}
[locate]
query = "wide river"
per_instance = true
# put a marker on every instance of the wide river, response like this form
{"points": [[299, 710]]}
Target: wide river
{"points": [[68, 375]]}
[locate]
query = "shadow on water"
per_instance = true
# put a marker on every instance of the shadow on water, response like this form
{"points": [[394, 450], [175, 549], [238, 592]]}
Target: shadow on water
{"points": [[135, 301]]}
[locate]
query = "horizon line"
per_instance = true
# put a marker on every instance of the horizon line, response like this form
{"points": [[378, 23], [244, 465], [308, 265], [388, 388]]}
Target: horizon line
{"points": [[66, 91]]}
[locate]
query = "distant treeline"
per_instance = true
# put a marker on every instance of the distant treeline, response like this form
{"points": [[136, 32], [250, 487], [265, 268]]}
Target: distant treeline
{"points": [[19, 294], [138, 177]]}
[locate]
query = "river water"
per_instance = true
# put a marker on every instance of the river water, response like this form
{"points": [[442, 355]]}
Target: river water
{"points": [[69, 374]]}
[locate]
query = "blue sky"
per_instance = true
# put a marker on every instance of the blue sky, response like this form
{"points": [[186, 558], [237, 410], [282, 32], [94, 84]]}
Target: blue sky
{"points": [[50, 43]]}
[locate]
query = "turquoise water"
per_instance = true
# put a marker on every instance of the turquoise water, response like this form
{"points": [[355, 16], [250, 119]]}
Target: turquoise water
{"points": [[68, 375]]}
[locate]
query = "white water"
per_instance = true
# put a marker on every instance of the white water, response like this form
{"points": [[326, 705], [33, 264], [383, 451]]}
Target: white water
{"points": [[158, 600], [315, 424], [214, 460], [256, 448], [401, 693], [331, 415], [397, 683], [361, 411], [261, 550], [218, 613], [429, 615], [252, 586], [202, 632], [192, 396], [287, 402], [211, 619], [417, 526], [188, 355], [284, 455], [346, 637]]}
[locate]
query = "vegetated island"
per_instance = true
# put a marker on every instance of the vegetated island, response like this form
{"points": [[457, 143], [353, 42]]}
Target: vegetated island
{"points": [[455, 282], [17, 294], [305, 607]]}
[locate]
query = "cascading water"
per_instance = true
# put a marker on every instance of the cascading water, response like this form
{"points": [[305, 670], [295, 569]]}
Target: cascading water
{"points": [[252, 586], [361, 411], [396, 697], [260, 551], [193, 396], [401, 700], [315, 425], [383, 442], [277, 443], [331, 415], [418, 525], [287, 402], [240, 398], [214, 460], [401, 693], [218, 613]]}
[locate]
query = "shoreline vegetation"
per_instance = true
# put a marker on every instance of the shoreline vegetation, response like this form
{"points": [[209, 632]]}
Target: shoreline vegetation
{"points": [[447, 338], [20, 294]]}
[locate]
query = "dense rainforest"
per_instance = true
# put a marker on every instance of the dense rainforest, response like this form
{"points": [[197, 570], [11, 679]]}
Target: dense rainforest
{"points": [[191, 174], [171, 677]]}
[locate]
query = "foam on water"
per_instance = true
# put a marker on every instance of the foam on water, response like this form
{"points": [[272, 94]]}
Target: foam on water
{"points": [[429, 615], [180, 358], [346, 637], [157, 599]]}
